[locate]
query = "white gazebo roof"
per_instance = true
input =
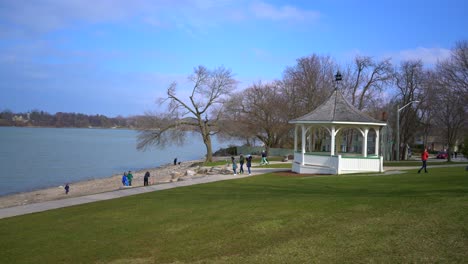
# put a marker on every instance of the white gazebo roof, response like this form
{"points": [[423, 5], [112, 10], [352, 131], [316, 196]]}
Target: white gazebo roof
{"points": [[336, 110]]}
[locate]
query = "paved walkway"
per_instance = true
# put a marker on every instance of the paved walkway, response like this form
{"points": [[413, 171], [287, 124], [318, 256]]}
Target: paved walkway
{"points": [[49, 205]]}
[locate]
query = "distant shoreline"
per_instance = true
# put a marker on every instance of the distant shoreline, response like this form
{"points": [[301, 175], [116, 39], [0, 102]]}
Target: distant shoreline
{"points": [[124, 128]]}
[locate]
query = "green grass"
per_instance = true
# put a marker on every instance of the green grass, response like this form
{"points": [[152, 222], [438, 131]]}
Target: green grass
{"points": [[418, 163], [285, 165], [272, 218]]}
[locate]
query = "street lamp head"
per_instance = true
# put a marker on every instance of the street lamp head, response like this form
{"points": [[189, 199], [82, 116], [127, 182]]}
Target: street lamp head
{"points": [[399, 109], [338, 76]]}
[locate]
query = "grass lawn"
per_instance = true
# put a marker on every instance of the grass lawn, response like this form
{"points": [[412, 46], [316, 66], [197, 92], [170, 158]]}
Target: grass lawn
{"points": [[418, 163], [272, 218]]}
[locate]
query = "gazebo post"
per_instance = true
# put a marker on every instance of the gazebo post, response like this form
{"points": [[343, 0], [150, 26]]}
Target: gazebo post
{"points": [[295, 139], [364, 142], [332, 139], [303, 144], [377, 141]]}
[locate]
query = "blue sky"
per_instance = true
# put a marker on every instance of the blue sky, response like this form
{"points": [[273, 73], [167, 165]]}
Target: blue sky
{"points": [[116, 57]]}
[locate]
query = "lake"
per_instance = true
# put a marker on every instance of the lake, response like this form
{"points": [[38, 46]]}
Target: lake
{"points": [[34, 158]]}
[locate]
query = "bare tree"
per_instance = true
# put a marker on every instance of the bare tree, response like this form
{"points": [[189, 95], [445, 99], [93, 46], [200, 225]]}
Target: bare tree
{"points": [[308, 83], [261, 112], [363, 83], [235, 125], [409, 80], [427, 108], [452, 95], [450, 116], [200, 112], [455, 69], [366, 80]]}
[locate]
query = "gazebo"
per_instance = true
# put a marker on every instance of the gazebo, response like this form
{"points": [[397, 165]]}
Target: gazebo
{"points": [[336, 115]]}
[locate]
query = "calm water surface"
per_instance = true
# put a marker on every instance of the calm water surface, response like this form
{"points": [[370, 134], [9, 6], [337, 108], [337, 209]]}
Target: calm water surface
{"points": [[34, 158]]}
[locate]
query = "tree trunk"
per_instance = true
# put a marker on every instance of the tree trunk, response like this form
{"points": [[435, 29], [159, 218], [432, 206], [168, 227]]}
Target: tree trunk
{"points": [[209, 149]]}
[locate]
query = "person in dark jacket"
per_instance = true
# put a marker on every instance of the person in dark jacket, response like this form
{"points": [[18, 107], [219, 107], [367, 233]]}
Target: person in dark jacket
{"points": [[249, 162], [241, 162], [264, 160], [124, 179], [145, 178], [67, 188]]}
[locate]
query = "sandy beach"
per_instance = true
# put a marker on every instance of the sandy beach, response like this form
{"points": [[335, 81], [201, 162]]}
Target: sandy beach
{"points": [[159, 175]]}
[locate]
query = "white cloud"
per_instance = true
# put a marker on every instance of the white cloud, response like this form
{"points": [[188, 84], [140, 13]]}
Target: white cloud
{"points": [[43, 16], [48, 15], [285, 13], [427, 55]]}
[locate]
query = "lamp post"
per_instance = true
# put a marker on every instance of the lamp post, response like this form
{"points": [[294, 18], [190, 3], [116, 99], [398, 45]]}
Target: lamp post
{"points": [[398, 128], [338, 77]]}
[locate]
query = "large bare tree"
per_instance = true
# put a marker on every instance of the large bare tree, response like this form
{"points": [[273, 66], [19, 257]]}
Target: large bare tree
{"points": [[363, 83], [261, 111], [366, 79], [452, 95], [200, 112], [410, 81], [455, 69], [450, 115], [308, 83]]}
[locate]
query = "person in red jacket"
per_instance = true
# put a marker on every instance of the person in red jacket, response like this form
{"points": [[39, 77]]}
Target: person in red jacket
{"points": [[424, 157]]}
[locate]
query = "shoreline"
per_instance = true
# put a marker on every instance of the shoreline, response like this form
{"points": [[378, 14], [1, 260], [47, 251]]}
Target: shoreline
{"points": [[159, 175]]}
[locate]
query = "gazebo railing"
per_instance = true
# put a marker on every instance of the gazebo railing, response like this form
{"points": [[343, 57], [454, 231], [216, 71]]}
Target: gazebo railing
{"points": [[323, 162]]}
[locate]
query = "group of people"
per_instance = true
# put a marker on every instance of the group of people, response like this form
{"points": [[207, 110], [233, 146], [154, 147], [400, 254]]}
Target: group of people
{"points": [[242, 160], [127, 178]]}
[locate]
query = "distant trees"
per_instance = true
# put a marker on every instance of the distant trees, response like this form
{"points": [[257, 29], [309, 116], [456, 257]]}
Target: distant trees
{"points": [[38, 118], [201, 112]]}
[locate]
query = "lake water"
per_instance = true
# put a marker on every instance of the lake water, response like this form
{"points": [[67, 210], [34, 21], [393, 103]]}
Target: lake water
{"points": [[34, 158]]}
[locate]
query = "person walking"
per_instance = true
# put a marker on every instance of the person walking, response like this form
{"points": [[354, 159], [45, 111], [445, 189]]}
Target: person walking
{"points": [[241, 162], [67, 188], [130, 178], [249, 162], [424, 157], [234, 165], [145, 178], [264, 160], [124, 179]]}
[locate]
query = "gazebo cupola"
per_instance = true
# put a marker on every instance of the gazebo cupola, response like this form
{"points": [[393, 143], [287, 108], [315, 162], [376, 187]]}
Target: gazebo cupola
{"points": [[336, 115]]}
